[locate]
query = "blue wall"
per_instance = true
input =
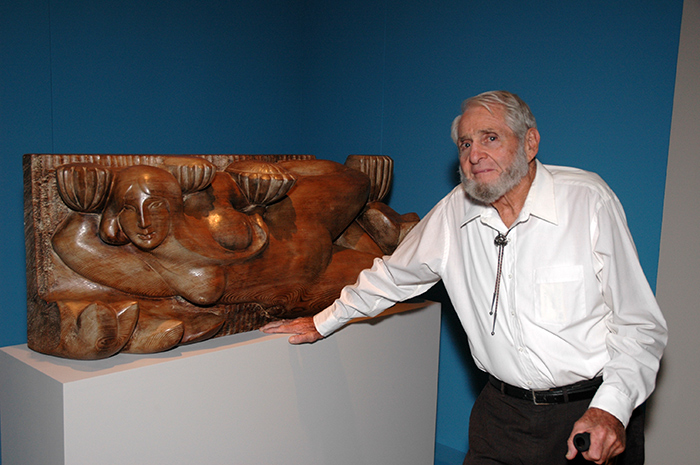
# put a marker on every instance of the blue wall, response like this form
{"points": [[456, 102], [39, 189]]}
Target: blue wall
{"points": [[333, 78]]}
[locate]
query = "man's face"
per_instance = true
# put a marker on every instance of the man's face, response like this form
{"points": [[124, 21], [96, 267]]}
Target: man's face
{"points": [[145, 219], [492, 159]]}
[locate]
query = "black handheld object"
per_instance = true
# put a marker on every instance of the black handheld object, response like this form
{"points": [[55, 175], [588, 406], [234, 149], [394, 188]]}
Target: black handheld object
{"points": [[582, 441]]}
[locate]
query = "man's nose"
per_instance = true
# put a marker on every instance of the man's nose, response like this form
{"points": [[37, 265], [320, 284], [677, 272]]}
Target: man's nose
{"points": [[476, 153]]}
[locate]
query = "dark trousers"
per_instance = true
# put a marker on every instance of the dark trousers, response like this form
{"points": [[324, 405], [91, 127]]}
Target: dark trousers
{"points": [[505, 430]]}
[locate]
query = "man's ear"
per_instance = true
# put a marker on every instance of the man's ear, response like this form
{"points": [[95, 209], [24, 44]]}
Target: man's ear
{"points": [[532, 143]]}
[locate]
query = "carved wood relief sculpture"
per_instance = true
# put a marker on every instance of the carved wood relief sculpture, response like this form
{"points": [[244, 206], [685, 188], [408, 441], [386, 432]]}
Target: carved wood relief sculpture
{"points": [[141, 253]]}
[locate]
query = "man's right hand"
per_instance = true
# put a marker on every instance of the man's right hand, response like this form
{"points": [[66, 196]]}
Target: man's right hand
{"points": [[303, 330]]}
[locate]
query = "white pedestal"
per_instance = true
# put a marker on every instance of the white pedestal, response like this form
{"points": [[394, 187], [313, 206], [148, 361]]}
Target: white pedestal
{"points": [[365, 395]]}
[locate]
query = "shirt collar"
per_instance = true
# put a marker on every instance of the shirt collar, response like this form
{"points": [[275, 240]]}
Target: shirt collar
{"points": [[539, 202]]}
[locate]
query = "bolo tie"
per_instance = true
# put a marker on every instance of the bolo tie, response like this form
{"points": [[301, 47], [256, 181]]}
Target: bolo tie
{"points": [[500, 241]]}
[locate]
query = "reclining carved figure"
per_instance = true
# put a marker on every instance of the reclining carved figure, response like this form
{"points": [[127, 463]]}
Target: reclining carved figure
{"points": [[143, 253]]}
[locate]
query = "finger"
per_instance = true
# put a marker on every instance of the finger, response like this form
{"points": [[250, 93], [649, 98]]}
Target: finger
{"points": [[571, 450], [299, 339], [591, 459], [275, 326], [610, 450], [305, 338], [579, 441], [596, 453], [618, 449]]}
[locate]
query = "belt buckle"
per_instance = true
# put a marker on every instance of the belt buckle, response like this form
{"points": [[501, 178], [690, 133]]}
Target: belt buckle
{"points": [[534, 398]]}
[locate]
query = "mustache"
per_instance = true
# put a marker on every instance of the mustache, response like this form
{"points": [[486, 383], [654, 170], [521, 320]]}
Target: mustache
{"points": [[488, 193]]}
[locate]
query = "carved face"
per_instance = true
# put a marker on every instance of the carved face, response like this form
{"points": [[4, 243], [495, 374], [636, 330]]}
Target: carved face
{"points": [[145, 218]]}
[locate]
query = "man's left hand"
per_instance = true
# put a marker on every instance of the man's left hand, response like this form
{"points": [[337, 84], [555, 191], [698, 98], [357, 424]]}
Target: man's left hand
{"points": [[607, 436]]}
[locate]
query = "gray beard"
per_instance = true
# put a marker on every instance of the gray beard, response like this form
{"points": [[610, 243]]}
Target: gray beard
{"points": [[489, 193]]}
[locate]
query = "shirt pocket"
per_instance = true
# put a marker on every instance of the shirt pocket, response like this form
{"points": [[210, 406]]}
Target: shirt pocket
{"points": [[559, 295]]}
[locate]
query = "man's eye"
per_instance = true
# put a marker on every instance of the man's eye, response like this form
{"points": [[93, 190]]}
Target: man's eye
{"points": [[492, 138], [466, 145]]}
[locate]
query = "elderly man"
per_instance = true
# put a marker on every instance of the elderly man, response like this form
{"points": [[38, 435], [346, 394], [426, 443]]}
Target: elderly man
{"points": [[543, 274]]}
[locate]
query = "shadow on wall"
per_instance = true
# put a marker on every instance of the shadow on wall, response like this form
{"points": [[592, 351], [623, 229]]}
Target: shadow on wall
{"points": [[459, 384], [452, 328]]}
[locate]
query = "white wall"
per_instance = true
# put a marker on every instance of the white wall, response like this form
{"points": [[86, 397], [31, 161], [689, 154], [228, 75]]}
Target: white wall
{"points": [[673, 427]]}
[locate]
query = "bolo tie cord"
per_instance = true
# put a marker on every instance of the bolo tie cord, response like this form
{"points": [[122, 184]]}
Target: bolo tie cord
{"points": [[500, 241]]}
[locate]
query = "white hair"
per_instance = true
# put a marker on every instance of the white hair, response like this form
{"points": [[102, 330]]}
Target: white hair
{"points": [[518, 116]]}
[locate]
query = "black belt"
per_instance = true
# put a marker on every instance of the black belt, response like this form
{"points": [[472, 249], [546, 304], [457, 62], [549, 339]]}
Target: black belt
{"points": [[578, 391]]}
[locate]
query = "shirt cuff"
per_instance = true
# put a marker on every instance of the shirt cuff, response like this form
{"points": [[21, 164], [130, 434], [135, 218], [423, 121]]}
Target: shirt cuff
{"points": [[326, 322], [614, 402]]}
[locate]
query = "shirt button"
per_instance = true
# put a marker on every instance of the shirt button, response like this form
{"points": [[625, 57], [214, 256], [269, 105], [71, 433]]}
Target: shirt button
{"points": [[510, 276]]}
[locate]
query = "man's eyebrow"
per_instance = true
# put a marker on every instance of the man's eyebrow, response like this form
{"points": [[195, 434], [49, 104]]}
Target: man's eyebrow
{"points": [[480, 132]]}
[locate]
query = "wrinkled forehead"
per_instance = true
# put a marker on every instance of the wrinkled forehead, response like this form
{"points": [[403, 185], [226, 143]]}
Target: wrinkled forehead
{"points": [[494, 115], [479, 118]]}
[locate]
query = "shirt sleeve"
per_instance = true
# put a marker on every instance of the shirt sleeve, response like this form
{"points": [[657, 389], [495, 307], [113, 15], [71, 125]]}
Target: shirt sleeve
{"points": [[638, 331], [412, 269]]}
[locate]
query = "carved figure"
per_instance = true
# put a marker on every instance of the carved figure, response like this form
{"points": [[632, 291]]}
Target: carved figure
{"points": [[141, 253]]}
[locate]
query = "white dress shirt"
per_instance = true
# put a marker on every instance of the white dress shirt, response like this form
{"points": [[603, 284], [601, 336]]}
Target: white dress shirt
{"points": [[573, 301]]}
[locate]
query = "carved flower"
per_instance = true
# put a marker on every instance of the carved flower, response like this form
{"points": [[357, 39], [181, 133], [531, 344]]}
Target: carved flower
{"points": [[193, 174], [84, 187], [262, 183], [379, 169]]}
